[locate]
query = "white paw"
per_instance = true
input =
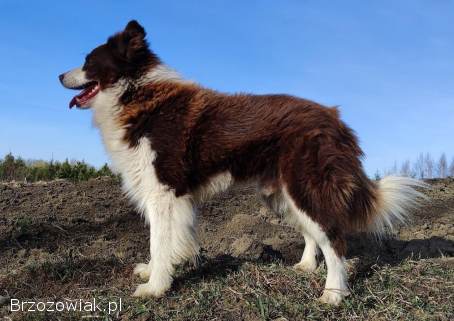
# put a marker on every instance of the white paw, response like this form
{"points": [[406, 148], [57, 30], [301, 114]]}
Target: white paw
{"points": [[333, 297], [147, 290], [143, 270], [306, 266]]}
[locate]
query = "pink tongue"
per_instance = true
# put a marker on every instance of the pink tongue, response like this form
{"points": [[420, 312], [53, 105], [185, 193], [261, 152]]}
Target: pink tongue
{"points": [[85, 95]]}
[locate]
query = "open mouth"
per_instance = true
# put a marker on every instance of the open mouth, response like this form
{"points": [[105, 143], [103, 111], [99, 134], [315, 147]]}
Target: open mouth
{"points": [[89, 90]]}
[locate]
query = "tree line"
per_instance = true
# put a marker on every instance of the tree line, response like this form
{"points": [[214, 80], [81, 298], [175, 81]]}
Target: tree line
{"points": [[424, 167], [17, 169]]}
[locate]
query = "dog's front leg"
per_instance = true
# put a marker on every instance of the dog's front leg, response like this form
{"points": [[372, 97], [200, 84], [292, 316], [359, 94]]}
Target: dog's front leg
{"points": [[172, 240]]}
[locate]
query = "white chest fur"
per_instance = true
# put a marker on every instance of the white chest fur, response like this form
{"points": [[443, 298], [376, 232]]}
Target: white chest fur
{"points": [[135, 164]]}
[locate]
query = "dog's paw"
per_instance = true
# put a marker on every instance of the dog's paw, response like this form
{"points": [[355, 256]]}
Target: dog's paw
{"points": [[147, 290], [333, 297], [142, 270], [306, 266]]}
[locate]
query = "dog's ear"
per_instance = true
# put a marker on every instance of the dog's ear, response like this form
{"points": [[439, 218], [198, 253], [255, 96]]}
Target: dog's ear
{"points": [[135, 37], [135, 30], [130, 44]]}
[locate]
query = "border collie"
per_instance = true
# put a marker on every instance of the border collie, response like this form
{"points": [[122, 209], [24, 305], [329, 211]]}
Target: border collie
{"points": [[176, 143]]}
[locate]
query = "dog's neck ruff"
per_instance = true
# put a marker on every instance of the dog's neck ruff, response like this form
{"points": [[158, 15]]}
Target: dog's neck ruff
{"points": [[107, 107], [107, 104], [160, 73]]}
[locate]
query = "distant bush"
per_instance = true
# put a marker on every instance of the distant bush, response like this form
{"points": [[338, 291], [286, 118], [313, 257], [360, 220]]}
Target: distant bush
{"points": [[15, 168]]}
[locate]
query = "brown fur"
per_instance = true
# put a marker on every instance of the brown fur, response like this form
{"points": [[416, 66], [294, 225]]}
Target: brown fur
{"points": [[283, 140], [280, 140], [125, 54]]}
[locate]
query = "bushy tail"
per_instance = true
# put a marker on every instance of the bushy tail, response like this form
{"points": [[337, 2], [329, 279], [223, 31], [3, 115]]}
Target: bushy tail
{"points": [[396, 198]]}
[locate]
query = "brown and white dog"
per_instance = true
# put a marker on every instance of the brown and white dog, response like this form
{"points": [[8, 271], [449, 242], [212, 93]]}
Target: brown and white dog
{"points": [[176, 143]]}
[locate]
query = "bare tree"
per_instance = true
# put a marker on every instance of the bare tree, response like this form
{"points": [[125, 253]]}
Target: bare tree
{"points": [[451, 168], [405, 169], [424, 167], [394, 168], [428, 166], [418, 167], [442, 166], [377, 175], [391, 170]]}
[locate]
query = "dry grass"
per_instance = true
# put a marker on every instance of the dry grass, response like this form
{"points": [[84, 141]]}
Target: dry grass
{"points": [[228, 289], [51, 249]]}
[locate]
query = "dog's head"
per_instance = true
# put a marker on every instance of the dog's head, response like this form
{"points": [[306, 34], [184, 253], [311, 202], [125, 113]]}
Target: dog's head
{"points": [[125, 56]]}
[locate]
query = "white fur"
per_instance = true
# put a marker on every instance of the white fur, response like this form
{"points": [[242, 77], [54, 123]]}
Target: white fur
{"points": [[217, 184], [171, 219], [336, 280], [308, 261], [143, 270], [161, 73], [172, 240], [74, 78], [396, 197]]}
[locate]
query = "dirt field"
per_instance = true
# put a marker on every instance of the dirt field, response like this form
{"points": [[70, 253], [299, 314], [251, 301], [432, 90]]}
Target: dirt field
{"points": [[61, 241]]}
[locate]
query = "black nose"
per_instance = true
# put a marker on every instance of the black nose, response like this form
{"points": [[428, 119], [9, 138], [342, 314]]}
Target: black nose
{"points": [[61, 77]]}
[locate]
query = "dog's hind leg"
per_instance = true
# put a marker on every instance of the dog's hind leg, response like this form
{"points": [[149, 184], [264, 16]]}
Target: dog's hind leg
{"points": [[333, 248], [308, 262], [273, 198], [172, 240]]}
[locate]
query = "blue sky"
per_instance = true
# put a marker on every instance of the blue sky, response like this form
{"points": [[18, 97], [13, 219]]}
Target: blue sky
{"points": [[388, 64]]}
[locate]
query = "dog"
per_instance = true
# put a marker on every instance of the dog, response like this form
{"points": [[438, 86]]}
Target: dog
{"points": [[176, 144]]}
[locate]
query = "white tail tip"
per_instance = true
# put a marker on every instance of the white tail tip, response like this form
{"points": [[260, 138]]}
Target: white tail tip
{"points": [[397, 197]]}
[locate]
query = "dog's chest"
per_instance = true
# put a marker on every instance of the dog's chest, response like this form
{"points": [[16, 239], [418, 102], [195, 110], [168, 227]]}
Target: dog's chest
{"points": [[135, 164]]}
